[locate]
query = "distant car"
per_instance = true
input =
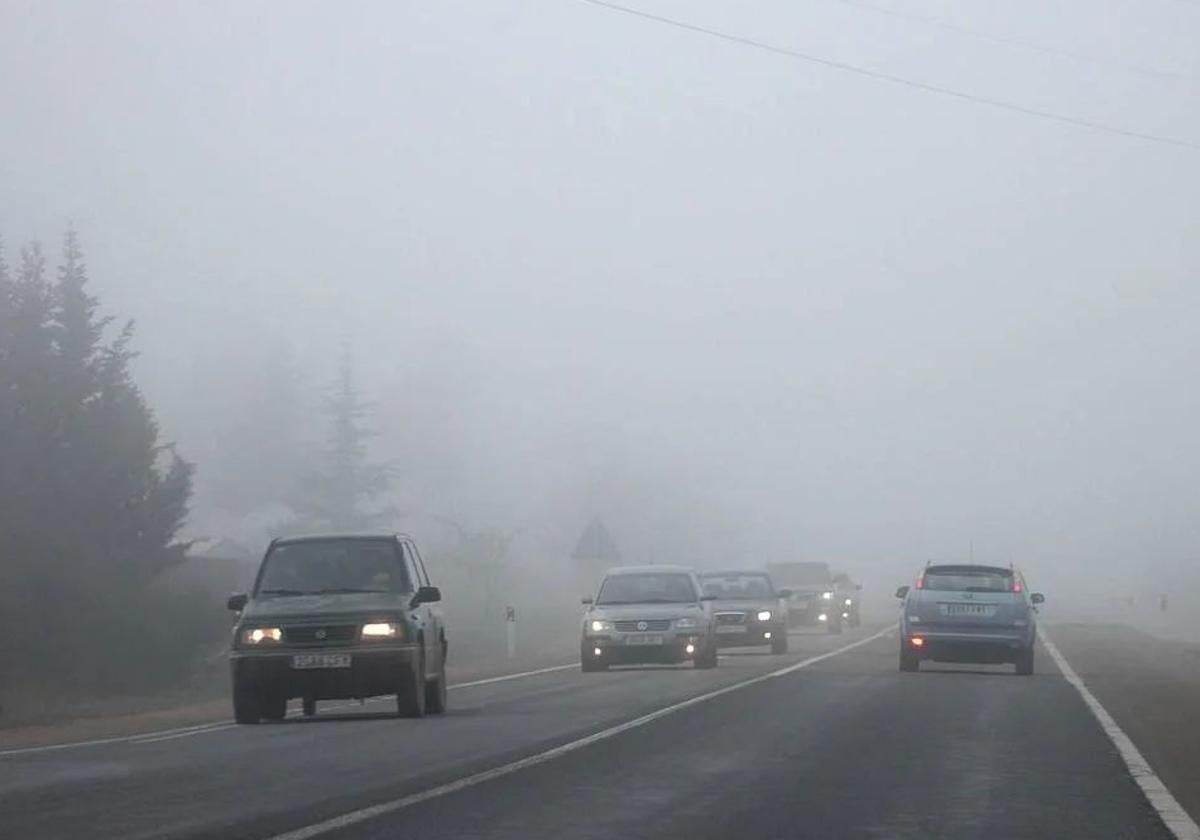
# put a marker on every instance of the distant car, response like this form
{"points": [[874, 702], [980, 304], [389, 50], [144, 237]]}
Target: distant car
{"points": [[812, 590], [335, 617], [846, 598], [968, 613], [645, 614], [749, 610]]}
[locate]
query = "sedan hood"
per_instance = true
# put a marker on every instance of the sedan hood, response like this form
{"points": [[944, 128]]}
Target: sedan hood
{"points": [[300, 606], [747, 606], [624, 612]]}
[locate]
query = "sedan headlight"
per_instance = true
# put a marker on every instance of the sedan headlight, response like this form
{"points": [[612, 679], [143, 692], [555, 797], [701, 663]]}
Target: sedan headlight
{"points": [[849, 601], [262, 635], [686, 624], [382, 630], [827, 595], [764, 615], [598, 626]]}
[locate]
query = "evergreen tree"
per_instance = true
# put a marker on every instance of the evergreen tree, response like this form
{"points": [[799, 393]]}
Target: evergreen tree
{"points": [[337, 495]]}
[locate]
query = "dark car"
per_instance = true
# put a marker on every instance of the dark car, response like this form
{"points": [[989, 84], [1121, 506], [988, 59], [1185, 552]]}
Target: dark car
{"points": [[811, 587], [968, 613], [334, 617], [749, 610], [846, 597]]}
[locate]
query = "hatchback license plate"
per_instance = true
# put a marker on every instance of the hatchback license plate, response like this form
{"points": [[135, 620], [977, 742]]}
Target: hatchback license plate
{"points": [[974, 610], [311, 661], [634, 641]]}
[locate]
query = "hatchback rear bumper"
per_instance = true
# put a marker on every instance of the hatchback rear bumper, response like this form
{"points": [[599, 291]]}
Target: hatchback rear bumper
{"points": [[983, 648]]}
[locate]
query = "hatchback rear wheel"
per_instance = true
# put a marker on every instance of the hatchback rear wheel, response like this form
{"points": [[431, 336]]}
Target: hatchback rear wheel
{"points": [[1025, 662]]}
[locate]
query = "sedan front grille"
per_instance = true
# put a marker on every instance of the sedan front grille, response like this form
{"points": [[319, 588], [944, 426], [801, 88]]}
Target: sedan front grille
{"points": [[317, 634], [731, 618], [656, 625]]}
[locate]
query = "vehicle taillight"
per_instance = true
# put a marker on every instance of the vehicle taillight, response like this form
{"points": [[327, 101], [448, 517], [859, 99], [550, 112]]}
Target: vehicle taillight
{"points": [[1017, 586], [918, 641], [921, 582]]}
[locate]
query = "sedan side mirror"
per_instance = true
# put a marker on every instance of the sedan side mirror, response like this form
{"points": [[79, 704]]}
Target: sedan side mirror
{"points": [[902, 592], [426, 595], [237, 601], [1037, 598], [784, 593], [587, 602]]}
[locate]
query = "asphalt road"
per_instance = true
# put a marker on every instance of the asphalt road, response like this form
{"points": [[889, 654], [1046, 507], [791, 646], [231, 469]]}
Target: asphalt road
{"points": [[844, 746]]}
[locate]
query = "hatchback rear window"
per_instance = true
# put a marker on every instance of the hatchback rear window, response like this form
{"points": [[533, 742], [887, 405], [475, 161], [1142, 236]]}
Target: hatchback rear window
{"points": [[966, 579]]}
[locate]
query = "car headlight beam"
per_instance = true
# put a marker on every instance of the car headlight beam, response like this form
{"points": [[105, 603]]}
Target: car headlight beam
{"points": [[764, 615], [380, 630], [828, 596], [686, 624], [262, 635], [598, 626]]}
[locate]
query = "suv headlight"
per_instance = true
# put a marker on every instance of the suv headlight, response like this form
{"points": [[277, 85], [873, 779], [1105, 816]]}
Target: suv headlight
{"points": [[382, 630], [849, 601], [598, 626], [261, 636], [686, 624], [764, 615]]}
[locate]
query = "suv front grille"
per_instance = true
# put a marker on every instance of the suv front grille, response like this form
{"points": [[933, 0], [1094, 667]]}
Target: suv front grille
{"points": [[731, 618], [656, 625], [317, 634]]}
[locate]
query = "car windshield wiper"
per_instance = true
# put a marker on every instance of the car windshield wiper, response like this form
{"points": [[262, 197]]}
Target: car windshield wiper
{"points": [[284, 592], [346, 590]]}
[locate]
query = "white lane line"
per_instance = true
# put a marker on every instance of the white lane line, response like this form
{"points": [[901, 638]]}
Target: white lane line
{"points": [[1161, 800], [364, 814], [155, 736]]}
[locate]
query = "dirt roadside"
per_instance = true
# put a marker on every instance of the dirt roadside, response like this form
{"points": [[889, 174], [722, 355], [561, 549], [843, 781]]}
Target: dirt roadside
{"points": [[119, 718], [1151, 687]]}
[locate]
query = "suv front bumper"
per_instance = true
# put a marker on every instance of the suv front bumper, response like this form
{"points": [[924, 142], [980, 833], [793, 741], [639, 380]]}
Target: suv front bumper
{"points": [[373, 671]]}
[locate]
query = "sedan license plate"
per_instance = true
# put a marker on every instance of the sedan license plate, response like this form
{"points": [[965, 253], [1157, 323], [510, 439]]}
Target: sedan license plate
{"points": [[731, 629], [312, 661], [635, 641], [972, 610]]}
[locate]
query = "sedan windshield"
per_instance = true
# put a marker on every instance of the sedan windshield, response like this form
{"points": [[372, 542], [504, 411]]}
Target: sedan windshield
{"points": [[649, 588], [738, 587], [333, 566]]}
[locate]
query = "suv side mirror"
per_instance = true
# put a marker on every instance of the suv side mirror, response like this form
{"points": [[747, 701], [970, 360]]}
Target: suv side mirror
{"points": [[587, 602], [708, 597], [784, 593], [237, 601], [902, 592], [426, 595], [1037, 598]]}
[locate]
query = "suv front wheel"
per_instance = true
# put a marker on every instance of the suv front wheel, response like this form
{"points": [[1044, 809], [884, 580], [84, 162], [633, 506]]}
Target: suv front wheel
{"points": [[247, 705]]}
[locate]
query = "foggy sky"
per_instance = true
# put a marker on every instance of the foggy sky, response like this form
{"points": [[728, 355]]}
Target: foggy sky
{"points": [[589, 264]]}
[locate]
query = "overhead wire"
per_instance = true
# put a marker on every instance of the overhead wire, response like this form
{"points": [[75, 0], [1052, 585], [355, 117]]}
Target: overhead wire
{"points": [[925, 87]]}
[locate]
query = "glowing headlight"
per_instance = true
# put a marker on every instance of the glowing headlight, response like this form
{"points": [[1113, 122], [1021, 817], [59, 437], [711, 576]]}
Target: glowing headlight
{"points": [[600, 626], [686, 623], [849, 602], [827, 595], [380, 630], [259, 635], [822, 617], [764, 615]]}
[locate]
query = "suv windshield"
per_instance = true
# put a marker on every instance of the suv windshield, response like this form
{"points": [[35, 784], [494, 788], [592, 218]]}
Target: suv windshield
{"points": [[649, 588], [738, 587], [968, 579], [333, 566], [801, 574]]}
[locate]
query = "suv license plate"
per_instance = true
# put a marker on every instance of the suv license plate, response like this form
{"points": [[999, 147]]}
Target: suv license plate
{"points": [[310, 661], [643, 640], [724, 629]]}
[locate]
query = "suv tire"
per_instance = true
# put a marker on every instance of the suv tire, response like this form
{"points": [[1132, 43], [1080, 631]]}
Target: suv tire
{"points": [[410, 700], [246, 706], [707, 658], [1024, 662], [779, 644], [909, 661], [274, 706], [437, 694]]}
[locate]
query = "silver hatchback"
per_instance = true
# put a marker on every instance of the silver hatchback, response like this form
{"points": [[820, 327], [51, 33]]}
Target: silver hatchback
{"points": [[648, 614], [968, 613]]}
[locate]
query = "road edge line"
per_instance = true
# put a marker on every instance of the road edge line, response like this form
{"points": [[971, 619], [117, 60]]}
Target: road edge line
{"points": [[362, 815], [1173, 815]]}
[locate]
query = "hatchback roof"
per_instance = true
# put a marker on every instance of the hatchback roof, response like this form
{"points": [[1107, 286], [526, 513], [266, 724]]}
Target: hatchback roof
{"points": [[968, 568], [649, 570]]}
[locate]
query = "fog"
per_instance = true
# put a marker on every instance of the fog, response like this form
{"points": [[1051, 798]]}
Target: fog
{"points": [[741, 307]]}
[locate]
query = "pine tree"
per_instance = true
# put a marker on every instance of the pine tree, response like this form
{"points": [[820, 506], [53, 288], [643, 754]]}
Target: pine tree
{"points": [[336, 496]]}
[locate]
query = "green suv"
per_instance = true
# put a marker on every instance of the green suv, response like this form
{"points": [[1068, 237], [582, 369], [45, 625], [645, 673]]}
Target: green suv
{"points": [[334, 617]]}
